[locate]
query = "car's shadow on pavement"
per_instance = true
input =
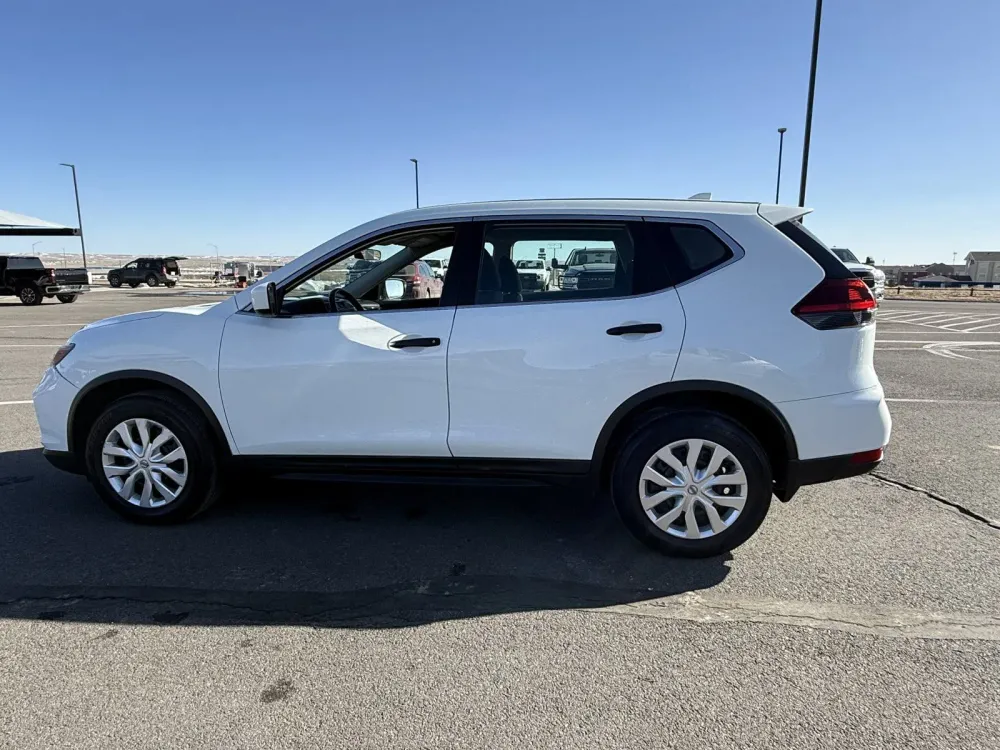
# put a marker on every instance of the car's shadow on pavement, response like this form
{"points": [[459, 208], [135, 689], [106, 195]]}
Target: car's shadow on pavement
{"points": [[354, 556]]}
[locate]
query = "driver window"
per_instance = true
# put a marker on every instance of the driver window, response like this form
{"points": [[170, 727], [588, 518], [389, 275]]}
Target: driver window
{"points": [[388, 272]]}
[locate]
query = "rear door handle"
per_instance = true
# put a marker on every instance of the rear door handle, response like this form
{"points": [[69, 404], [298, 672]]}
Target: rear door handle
{"points": [[415, 342], [635, 328]]}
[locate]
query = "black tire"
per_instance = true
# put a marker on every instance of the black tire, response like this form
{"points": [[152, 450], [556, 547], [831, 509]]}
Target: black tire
{"points": [[151, 280], [29, 294], [133, 284], [203, 486], [170, 284], [667, 427], [114, 280], [67, 298]]}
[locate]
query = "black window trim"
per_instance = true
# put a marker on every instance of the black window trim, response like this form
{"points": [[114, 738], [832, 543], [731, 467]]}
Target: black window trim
{"points": [[720, 234]]}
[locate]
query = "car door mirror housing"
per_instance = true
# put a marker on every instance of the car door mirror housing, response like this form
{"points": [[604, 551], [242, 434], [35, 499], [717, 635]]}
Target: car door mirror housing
{"points": [[264, 299], [394, 288]]}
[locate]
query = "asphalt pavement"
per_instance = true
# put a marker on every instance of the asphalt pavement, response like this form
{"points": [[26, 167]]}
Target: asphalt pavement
{"points": [[863, 614]]}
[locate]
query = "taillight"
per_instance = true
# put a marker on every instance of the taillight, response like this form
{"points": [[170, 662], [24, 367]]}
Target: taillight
{"points": [[163, 270], [837, 303]]}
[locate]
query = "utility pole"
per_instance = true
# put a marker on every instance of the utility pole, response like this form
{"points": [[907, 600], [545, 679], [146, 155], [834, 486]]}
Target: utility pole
{"points": [[781, 148], [79, 218], [809, 102], [416, 180]]}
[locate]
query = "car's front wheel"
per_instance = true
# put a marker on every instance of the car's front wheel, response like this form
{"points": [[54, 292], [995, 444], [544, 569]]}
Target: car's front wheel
{"points": [[150, 459], [692, 483], [114, 280]]}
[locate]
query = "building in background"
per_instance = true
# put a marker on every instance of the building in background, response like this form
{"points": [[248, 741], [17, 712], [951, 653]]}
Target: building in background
{"points": [[983, 266]]}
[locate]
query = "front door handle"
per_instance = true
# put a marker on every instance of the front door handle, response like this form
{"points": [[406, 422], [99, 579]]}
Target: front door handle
{"points": [[415, 342], [635, 328]]}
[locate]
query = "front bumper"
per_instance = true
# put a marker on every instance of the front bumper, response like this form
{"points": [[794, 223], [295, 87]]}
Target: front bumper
{"points": [[53, 398], [63, 460]]}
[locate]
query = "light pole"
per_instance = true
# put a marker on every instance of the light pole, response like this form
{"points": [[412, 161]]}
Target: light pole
{"points": [[809, 102], [218, 265], [781, 148], [79, 218], [33, 246], [416, 180]]}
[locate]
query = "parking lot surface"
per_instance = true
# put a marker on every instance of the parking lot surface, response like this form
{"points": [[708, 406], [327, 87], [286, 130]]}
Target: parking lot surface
{"points": [[865, 613]]}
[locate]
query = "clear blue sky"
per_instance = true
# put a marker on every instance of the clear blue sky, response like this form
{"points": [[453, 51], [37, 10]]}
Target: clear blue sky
{"points": [[270, 127]]}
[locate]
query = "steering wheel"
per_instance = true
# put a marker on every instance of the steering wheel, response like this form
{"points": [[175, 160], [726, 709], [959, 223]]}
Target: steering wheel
{"points": [[342, 300]]}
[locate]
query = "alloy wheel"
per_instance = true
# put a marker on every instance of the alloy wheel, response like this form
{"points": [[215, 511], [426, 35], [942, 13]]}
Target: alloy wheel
{"points": [[693, 488], [144, 463]]}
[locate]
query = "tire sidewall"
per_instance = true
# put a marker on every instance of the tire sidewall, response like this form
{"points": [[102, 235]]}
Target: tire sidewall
{"points": [[672, 426], [189, 429], [114, 280], [151, 280], [29, 295]]}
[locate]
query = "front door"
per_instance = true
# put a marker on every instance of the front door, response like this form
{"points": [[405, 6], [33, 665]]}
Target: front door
{"points": [[327, 380]]}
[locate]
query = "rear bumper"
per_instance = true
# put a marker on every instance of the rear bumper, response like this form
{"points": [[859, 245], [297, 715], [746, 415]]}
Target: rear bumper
{"points": [[839, 425], [820, 470], [54, 289]]}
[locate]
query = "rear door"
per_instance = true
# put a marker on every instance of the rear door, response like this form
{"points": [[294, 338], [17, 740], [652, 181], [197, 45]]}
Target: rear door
{"points": [[535, 374]]}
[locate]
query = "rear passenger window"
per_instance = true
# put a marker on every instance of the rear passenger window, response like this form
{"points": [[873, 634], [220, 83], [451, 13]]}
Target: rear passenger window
{"points": [[688, 249], [541, 262]]}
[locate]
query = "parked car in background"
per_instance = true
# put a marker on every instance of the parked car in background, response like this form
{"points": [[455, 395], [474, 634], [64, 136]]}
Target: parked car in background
{"points": [[533, 274], [419, 281], [29, 279], [588, 268], [149, 271], [690, 388], [874, 278], [438, 265]]}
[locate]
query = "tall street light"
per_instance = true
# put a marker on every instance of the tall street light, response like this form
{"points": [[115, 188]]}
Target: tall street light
{"points": [[79, 219], [416, 180], [809, 102], [218, 265], [33, 246], [781, 148]]}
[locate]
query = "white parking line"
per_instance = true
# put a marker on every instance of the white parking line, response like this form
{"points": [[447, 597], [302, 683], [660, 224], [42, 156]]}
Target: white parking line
{"points": [[968, 322], [979, 328], [46, 325], [27, 346], [939, 401], [13, 403]]}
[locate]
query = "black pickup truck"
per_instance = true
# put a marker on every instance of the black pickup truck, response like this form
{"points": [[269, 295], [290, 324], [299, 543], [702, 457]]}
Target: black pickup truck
{"points": [[31, 281]]}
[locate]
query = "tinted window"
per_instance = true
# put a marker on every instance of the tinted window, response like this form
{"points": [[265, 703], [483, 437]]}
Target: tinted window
{"points": [[686, 249], [596, 261]]}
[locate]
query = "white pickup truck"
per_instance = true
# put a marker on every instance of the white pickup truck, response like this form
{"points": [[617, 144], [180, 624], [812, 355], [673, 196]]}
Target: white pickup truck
{"points": [[873, 278], [533, 274]]}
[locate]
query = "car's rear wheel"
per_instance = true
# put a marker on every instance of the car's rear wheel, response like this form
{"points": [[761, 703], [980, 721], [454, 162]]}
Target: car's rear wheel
{"points": [[692, 483], [29, 294], [151, 280], [114, 280], [66, 298], [150, 459]]}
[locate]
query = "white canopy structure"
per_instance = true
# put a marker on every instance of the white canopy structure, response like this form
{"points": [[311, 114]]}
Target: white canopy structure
{"points": [[19, 225]]}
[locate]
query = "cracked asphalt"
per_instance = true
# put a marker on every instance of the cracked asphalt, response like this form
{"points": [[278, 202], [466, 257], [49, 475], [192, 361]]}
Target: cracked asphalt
{"points": [[863, 614]]}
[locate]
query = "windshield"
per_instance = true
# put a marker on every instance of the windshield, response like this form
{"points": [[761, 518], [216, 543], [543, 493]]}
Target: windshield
{"points": [[530, 264], [844, 254]]}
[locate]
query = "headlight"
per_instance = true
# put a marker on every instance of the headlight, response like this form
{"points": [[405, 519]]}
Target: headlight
{"points": [[569, 282], [61, 353]]}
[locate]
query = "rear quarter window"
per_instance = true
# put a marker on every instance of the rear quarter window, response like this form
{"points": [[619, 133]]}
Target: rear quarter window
{"points": [[687, 250]]}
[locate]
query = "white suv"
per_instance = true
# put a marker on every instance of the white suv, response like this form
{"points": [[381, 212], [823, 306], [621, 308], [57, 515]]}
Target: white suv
{"points": [[686, 378]]}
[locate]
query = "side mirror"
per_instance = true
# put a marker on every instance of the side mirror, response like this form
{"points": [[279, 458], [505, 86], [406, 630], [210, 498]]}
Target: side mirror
{"points": [[394, 288], [264, 299], [555, 263]]}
